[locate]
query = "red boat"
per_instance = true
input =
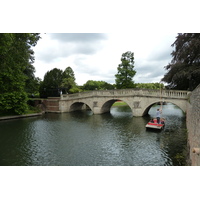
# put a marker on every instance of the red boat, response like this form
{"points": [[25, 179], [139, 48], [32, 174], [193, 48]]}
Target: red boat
{"points": [[154, 124]]}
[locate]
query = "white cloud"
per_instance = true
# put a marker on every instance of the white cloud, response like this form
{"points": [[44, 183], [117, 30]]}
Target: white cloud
{"points": [[96, 56], [60, 45]]}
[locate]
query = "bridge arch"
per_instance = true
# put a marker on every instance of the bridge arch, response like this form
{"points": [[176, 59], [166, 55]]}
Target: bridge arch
{"points": [[179, 104], [148, 106], [108, 104], [79, 106]]}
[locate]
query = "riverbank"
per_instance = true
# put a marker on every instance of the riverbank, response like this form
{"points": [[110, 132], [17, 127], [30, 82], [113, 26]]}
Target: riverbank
{"points": [[20, 116]]}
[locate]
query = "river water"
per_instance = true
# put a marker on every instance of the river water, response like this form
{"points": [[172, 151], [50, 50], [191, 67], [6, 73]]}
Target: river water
{"points": [[83, 139]]}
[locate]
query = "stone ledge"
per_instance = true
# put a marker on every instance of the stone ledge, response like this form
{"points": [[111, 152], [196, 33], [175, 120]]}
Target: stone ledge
{"points": [[20, 116]]}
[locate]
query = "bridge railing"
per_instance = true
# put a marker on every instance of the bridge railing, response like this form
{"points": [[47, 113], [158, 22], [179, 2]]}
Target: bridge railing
{"points": [[180, 94]]}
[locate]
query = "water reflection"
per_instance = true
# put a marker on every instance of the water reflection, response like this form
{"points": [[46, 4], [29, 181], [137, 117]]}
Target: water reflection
{"points": [[80, 138]]}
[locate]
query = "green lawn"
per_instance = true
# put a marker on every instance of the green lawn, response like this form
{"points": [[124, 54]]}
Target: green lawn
{"points": [[119, 103]]}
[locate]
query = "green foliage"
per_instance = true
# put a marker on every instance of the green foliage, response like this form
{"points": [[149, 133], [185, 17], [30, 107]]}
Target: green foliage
{"points": [[149, 85], [56, 81], [32, 83], [14, 102], [68, 81], [53, 78], [179, 159], [75, 89], [97, 85], [16, 56], [125, 71], [51, 83], [184, 69]]}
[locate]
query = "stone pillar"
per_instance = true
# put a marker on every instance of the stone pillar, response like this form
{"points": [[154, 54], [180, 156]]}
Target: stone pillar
{"points": [[96, 110], [137, 112]]}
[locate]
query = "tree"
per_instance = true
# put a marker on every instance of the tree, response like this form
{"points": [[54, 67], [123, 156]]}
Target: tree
{"points": [[50, 86], [149, 85], [184, 69], [125, 71], [68, 81], [99, 85], [15, 56], [32, 83], [56, 81]]}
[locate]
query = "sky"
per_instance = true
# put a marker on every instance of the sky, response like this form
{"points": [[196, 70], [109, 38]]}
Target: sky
{"points": [[146, 28], [96, 56]]}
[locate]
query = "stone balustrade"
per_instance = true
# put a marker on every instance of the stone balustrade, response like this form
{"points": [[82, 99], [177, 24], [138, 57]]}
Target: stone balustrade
{"points": [[180, 94]]}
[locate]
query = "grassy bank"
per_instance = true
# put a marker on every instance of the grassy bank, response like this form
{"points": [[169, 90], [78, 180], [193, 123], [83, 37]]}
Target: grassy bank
{"points": [[119, 103], [31, 110]]}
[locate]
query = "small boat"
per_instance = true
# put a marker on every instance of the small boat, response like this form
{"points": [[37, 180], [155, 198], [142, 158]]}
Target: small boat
{"points": [[153, 124]]}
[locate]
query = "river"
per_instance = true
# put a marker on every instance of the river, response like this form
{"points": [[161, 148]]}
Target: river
{"points": [[83, 139]]}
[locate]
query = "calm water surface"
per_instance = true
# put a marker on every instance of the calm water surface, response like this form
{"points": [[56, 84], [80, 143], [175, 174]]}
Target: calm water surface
{"points": [[82, 139]]}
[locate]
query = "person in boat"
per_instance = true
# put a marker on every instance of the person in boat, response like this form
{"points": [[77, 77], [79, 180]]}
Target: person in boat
{"points": [[152, 120], [162, 121], [158, 113]]}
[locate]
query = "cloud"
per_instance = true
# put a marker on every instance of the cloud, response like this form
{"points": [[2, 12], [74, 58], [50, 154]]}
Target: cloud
{"points": [[63, 45], [149, 71], [78, 37], [79, 43], [86, 65], [96, 56], [162, 53], [150, 68]]}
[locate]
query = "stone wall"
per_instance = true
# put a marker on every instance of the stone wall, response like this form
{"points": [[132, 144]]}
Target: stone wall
{"points": [[52, 104], [193, 126]]}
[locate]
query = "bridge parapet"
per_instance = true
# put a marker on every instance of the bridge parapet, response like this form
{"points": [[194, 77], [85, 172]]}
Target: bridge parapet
{"points": [[180, 94]]}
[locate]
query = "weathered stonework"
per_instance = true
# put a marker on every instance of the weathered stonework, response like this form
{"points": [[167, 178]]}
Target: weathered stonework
{"points": [[193, 127], [52, 104], [139, 100]]}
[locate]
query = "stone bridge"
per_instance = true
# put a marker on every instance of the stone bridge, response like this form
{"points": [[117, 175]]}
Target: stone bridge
{"points": [[100, 101]]}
